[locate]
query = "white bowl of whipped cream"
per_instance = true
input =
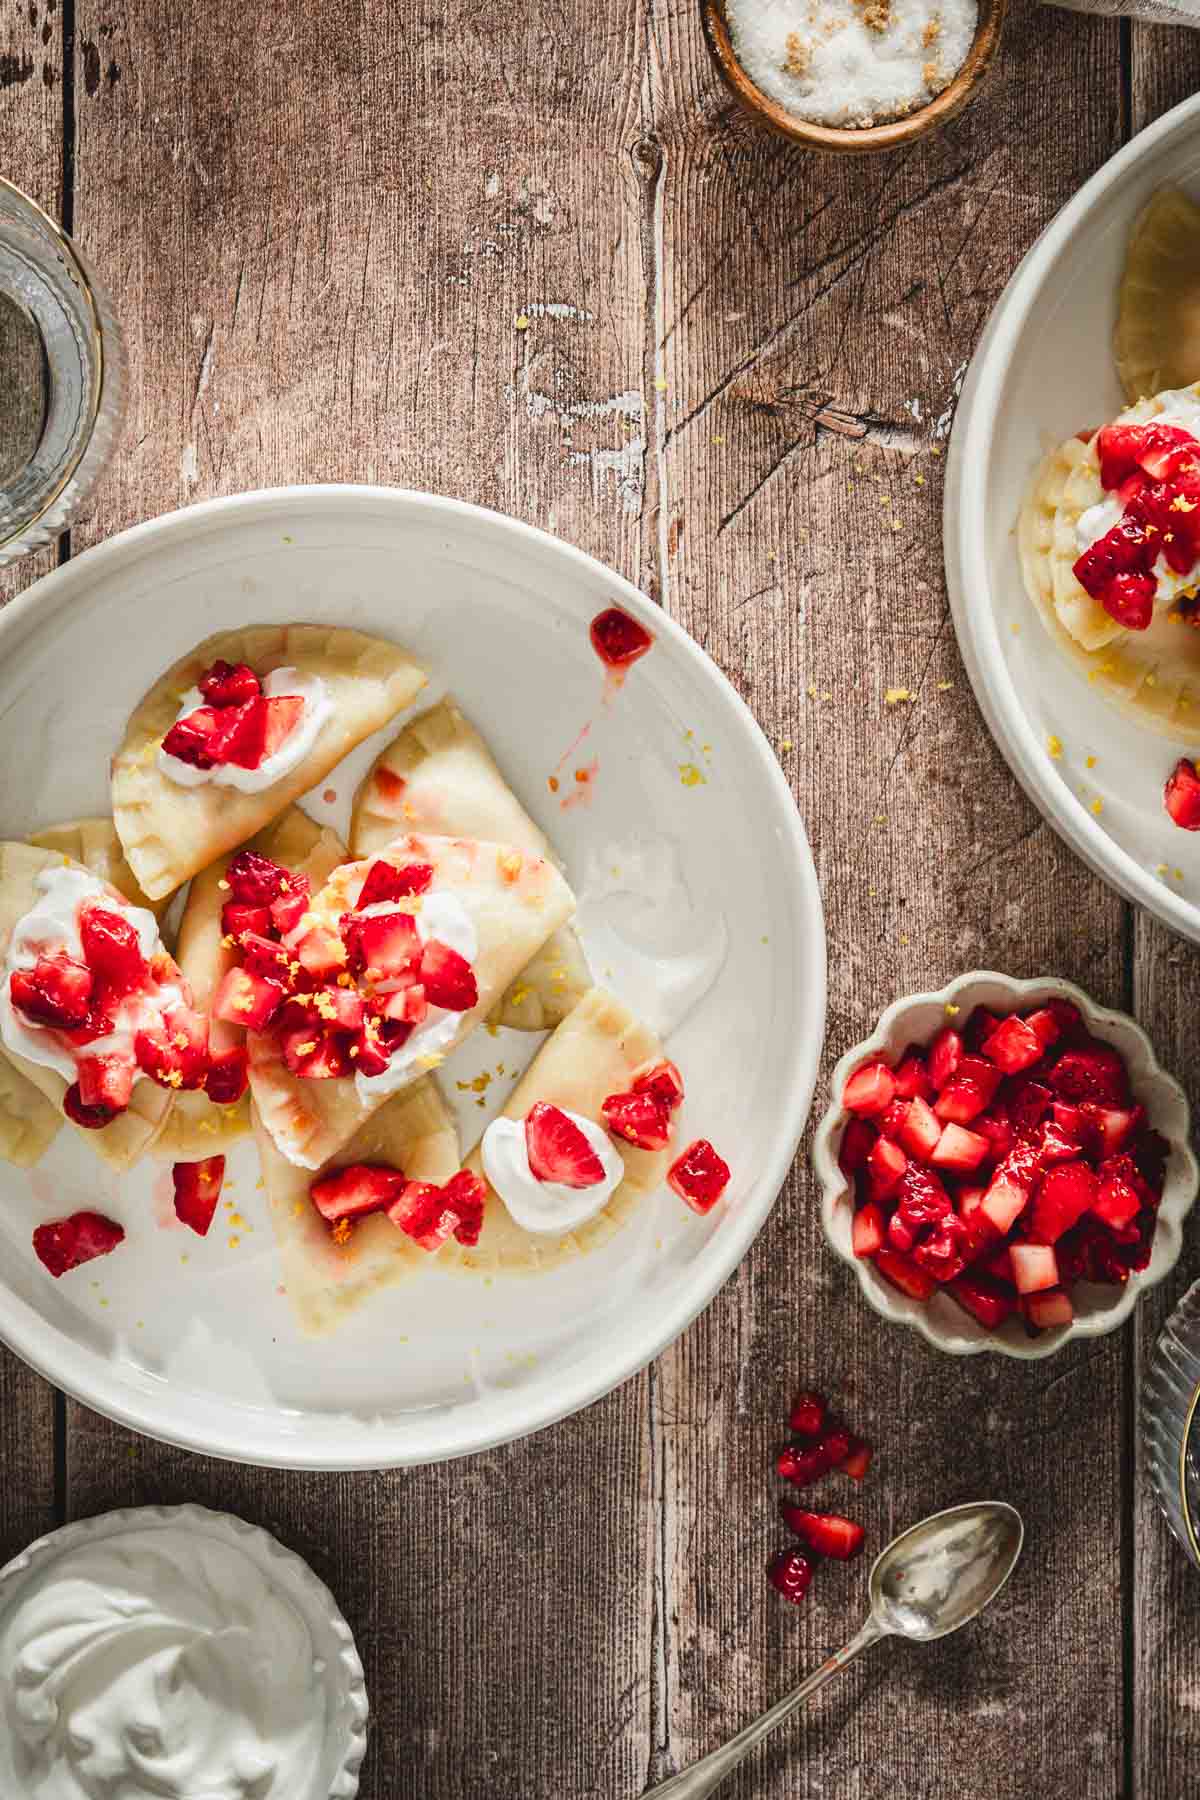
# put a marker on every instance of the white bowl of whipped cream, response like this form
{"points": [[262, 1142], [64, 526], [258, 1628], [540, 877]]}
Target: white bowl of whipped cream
{"points": [[166, 1653]]}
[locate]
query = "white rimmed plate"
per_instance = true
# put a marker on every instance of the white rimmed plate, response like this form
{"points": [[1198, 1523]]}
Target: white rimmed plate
{"points": [[1044, 370], [190, 1340]]}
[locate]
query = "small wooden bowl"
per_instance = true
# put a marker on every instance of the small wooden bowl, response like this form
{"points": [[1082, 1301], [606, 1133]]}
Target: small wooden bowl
{"points": [[845, 140]]}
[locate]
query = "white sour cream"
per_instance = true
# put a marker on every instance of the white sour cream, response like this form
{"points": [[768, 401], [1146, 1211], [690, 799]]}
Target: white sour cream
{"points": [[158, 1665], [547, 1206], [442, 916], [1182, 410], [295, 747], [51, 928]]}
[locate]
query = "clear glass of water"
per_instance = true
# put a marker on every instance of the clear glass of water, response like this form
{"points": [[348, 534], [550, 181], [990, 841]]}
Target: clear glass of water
{"points": [[1171, 1421], [62, 377]]}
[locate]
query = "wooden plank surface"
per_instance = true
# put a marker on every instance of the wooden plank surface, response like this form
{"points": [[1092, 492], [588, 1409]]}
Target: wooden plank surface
{"points": [[321, 228], [31, 111]]}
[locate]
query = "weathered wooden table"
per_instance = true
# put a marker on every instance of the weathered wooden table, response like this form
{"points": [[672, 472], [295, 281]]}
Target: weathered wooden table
{"points": [[323, 223]]}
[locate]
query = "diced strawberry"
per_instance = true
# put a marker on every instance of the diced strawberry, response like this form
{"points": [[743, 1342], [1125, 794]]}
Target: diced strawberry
{"points": [[996, 1126], [244, 997], [945, 1054], [1065, 1193], [167, 1063], [292, 903], [227, 684], [942, 1253], [424, 1213], [1013, 1046], [923, 1201], [891, 1123], [356, 1190], [959, 1150], [1046, 1310], [383, 945], [254, 879], [1181, 796], [1118, 1201], [985, 1300], [262, 726], [699, 1176], [387, 882], [960, 1101], [1071, 1028], [867, 1231], [802, 1464], [970, 1200], [448, 978], [983, 1073], [827, 1533], [237, 917], [912, 1078], [639, 1119], [870, 1090], [57, 992], [857, 1141], [808, 1414], [369, 1053], [557, 1149], [1034, 1267], [1004, 1201], [113, 953], [1094, 1071], [1113, 1126], [228, 1075], [68, 1243], [200, 739], [1028, 1102], [105, 1081], [466, 1195], [1054, 1144], [197, 1190], [1044, 1026], [315, 1056], [886, 1164], [905, 1275], [859, 1460], [1069, 1119], [662, 1080], [321, 952], [265, 956], [995, 1262], [90, 1118], [413, 1004], [921, 1129], [790, 1571], [979, 1027], [338, 1008]]}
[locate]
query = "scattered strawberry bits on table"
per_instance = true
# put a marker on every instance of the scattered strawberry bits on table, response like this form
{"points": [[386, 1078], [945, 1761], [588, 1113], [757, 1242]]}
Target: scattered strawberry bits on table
{"points": [[822, 1445]]}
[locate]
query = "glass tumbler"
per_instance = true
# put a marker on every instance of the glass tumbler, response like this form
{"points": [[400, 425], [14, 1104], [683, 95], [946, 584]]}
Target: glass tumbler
{"points": [[62, 377], [1171, 1421]]}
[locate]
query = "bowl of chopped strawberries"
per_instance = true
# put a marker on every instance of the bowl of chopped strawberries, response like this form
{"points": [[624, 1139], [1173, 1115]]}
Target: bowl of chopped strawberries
{"points": [[1005, 1165]]}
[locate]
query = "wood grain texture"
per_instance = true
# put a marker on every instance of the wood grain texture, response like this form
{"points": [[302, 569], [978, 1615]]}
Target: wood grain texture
{"points": [[30, 156]]}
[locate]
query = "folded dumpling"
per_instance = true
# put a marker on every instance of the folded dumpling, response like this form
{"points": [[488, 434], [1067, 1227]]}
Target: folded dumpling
{"points": [[239, 728], [95, 844]]}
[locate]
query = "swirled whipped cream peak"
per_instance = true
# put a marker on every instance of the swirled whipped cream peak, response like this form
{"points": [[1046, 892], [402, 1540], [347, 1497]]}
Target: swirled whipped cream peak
{"points": [[158, 1664]]}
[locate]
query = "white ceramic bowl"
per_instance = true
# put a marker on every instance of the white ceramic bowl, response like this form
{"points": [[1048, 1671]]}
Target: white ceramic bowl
{"points": [[191, 1340], [1044, 370], [942, 1321], [339, 1670]]}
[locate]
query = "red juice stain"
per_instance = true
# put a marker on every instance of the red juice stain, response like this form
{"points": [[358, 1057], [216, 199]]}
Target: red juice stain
{"points": [[329, 796]]}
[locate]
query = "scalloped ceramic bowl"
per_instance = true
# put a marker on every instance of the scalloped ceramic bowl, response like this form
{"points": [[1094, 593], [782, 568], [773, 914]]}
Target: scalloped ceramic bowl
{"points": [[336, 1660], [1098, 1310]]}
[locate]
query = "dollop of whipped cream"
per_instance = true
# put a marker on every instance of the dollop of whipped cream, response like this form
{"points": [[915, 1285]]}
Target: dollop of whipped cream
{"points": [[158, 1665], [443, 916], [51, 928], [1181, 408], [547, 1206], [295, 747]]}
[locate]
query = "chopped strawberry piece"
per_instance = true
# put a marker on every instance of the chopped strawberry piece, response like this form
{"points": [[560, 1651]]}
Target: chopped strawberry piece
{"points": [[227, 684], [617, 639], [292, 904], [424, 1213], [91, 1118], [355, 1191], [912, 1078], [314, 1056], [413, 1005], [466, 1195], [105, 1081], [170, 1064], [997, 1263], [867, 1231], [1181, 796], [1013, 1046], [1005, 1200], [264, 956], [448, 978], [1054, 1144], [959, 1150], [114, 955], [996, 1126], [826, 1533], [1111, 1128], [808, 1413], [338, 1008], [387, 882], [886, 1165], [662, 1080], [970, 1200], [228, 1076], [200, 738], [197, 1190], [321, 952], [382, 946], [254, 879], [905, 1275], [246, 997], [859, 1460], [1044, 1026], [1046, 1310], [790, 1572], [558, 1151], [923, 1203], [259, 729], [1028, 1103], [1071, 1028], [1118, 1200], [1065, 1193], [945, 1054], [57, 992], [857, 1142], [68, 1243], [870, 1090], [699, 1176], [1034, 1266], [1094, 1071], [985, 1300], [961, 1101], [237, 918], [801, 1465], [943, 1252], [369, 1053], [891, 1123], [921, 1129], [639, 1119]]}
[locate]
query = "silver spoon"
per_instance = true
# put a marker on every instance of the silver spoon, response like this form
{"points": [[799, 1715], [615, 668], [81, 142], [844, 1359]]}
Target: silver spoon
{"points": [[933, 1578]]}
